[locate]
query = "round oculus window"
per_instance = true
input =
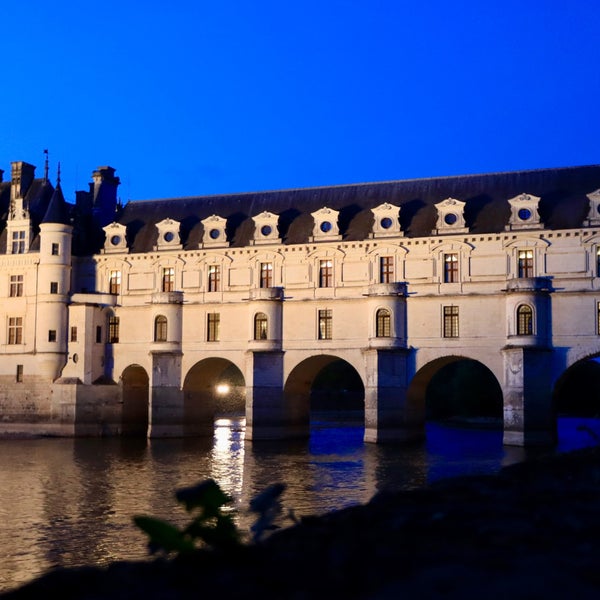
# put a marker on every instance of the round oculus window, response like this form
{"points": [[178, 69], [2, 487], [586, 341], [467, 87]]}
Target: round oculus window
{"points": [[169, 236], [266, 230], [524, 214], [214, 234], [386, 223], [115, 240], [326, 226], [450, 219]]}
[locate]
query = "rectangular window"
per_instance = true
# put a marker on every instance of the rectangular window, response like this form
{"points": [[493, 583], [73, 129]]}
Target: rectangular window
{"points": [[16, 286], [266, 275], [450, 329], [19, 376], [113, 330], [326, 273], [386, 269], [54, 249], [18, 242], [598, 263], [212, 327], [214, 278], [52, 335], [15, 330], [598, 318], [325, 324], [451, 267], [54, 287], [168, 279], [98, 334], [525, 263], [73, 334], [114, 282]]}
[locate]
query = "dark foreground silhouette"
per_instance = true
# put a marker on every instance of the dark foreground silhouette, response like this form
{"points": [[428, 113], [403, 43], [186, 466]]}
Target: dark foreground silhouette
{"points": [[532, 531]]}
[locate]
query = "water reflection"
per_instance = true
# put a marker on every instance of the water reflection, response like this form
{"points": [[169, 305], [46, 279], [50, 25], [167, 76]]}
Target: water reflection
{"points": [[71, 502]]}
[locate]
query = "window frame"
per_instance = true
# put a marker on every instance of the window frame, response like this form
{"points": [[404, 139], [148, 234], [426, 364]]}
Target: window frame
{"points": [[16, 286], [450, 321], [15, 331], [160, 328], [450, 267], [114, 281], [113, 329], [18, 241], [326, 273], [524, 315], [266, 275], [525, 263], [213, 322], [383, 323], [325, 324], [214, 278], [168, 279], [386, 269], [261, 324]]}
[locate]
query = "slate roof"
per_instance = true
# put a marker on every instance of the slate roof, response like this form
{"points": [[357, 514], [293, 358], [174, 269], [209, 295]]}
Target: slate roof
{"points": [[563, 205]]}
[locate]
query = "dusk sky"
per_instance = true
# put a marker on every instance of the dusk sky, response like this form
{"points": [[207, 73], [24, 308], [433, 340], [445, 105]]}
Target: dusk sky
{"points": [[190, 97]]}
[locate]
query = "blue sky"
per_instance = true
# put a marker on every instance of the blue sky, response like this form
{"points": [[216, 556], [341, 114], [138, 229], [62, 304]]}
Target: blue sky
{"points": [[195, 97]]}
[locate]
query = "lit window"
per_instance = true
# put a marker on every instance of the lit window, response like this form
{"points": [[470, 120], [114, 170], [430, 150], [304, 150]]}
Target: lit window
{"points": [[451, 268], [325, 324], [113, 330], [212, 327], [382, 323], [18, 242], [214, 278], [160, 329], [525, 263], [168, 279], [450, 326], [15, 330], [16, 286], [266, 275], [386, 269], [114, 282], [524, 320], [260, 326], [326, 273]]}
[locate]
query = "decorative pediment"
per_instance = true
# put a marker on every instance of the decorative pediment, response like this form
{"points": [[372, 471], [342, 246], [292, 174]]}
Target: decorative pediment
{"points": [[265, 228], [214, 235], [524, 213], [386, 220], [326, 225], [593, 217], [115, 240], [450, 217], [168, 235]]}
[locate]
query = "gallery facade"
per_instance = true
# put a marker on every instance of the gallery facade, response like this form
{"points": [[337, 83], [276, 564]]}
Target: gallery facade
{"points": [[142, 319]]}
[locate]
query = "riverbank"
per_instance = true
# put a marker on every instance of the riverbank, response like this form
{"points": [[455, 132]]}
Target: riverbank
{"points": [[531, 531]]}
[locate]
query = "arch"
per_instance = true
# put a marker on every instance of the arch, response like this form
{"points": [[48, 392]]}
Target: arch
{"points": [[456, 387], [577, 390], [260, 326], [524, 320], [383, 323], [135, 385], [160, 328], [212, 387]]}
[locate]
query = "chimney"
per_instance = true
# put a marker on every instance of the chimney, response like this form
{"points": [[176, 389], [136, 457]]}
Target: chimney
{"points": [[1, 175], [22, 175], [104, 194]]}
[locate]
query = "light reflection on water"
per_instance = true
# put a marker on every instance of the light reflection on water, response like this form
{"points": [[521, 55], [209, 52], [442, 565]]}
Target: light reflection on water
{"points": [[66, 502]]}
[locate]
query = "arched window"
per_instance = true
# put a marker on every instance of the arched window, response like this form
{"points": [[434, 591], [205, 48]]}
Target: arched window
{"points": [[160, 329], [382, 323], [524, 320], [260, 326]]}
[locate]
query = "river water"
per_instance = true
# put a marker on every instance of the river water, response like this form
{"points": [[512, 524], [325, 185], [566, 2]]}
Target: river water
{"points": [[70, 502]]}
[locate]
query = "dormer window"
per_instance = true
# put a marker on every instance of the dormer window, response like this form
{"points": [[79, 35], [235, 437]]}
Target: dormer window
{"points": [[265, 228], [524, 212], [115, 240], [214, 235], [325, 227], [450, 217], [18, 242], [168, 235]]}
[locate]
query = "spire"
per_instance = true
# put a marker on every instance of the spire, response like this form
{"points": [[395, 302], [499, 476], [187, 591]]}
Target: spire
{"points": [[58, 211], [46, 166], [58, 175]]}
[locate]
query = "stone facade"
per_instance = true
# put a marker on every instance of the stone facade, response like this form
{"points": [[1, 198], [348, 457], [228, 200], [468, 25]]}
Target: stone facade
{"points": [[123, 320]]}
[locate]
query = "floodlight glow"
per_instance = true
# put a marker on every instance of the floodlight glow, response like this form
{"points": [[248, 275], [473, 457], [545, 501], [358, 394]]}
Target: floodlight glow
{"points": [[222, 388]]}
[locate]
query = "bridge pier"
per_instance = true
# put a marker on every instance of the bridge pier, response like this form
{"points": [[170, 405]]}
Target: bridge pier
{"points": [[165, 418]]}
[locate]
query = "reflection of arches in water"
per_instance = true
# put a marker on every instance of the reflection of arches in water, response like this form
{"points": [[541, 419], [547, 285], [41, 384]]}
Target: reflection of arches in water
{"points": [[136, 386], [212, 387], [577, 391], [454, 386]]}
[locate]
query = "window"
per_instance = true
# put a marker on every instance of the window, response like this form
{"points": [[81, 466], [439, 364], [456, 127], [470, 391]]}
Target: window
{"points": [[386, 269], [325, 324], [525, 263], [266, 275], [598, 318], [98, 334], [54, 287], [160, 329], [326, 273], [450, 329], [168, 279], [16, 286], [214, 278], [19, 376], [114, 282], [15, 330], [260, 326], [113, 330], [73, 334], [524, 320], [451, 267], [52, 335], [212, 327], [18, 242], [55, 249], [598, 263], [382, 323]]}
